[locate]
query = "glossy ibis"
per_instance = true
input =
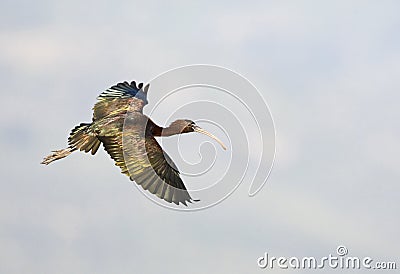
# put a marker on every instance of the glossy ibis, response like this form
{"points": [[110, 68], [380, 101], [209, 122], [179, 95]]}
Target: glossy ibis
{"points": [[128, 137]]}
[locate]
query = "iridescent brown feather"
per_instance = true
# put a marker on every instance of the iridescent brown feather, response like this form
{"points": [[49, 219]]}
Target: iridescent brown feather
{"points": [[140, 157]]}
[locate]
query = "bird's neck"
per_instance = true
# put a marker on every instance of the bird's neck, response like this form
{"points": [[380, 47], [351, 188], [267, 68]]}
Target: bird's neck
{"points": [[163, 131]]}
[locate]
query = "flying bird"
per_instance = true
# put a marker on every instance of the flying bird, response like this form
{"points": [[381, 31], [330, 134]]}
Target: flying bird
{"points": [[128, 137]]}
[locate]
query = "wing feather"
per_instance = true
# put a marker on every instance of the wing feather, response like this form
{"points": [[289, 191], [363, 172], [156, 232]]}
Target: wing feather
{"points": [[143, 160], [120, 98]]}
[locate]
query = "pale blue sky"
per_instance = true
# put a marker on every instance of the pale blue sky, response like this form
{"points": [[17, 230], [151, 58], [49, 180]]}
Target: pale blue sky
{"points": [[329, 72]]}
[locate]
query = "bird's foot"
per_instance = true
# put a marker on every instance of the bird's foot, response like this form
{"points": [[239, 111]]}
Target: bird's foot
{"points": [[57, 154]]}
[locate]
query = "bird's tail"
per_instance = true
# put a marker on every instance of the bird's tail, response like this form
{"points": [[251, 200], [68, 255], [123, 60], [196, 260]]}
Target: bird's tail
{"points": [[80, 138], [84, 139]]}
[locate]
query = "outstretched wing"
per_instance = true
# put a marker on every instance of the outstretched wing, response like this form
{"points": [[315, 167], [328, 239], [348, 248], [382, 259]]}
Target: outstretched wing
{"points": [[142, 159], [119, 98]]}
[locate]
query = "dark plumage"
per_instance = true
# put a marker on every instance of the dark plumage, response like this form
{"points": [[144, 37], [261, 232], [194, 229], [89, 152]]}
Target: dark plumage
{"points": [[128, 137]]}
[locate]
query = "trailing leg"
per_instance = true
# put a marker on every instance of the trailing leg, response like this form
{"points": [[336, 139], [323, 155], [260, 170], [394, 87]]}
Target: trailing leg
{"points": [[81, 138], [57, 154]]}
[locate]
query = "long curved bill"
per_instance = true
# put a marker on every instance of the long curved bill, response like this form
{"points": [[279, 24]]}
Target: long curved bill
{"points": [[202, 131]]}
